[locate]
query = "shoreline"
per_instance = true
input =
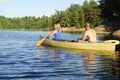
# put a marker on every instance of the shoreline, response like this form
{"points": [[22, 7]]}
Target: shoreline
{"points": [[74, 30]]}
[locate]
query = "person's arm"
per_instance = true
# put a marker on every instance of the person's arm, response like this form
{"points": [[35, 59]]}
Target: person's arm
{"points": [[51, 33], [84, 36]]}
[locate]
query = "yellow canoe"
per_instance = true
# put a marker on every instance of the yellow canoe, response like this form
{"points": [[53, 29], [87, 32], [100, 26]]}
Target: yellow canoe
{"points": [[109, 45]]}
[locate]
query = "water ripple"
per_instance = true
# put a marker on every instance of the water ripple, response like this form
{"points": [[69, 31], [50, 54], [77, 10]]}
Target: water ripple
{"points": [[20, 59]]}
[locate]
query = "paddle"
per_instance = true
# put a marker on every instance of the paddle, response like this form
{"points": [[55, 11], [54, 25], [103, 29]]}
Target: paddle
{"points": [[41, 41]]}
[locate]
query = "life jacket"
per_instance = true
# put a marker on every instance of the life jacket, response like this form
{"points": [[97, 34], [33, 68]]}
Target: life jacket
{"points": [[57, 36]]}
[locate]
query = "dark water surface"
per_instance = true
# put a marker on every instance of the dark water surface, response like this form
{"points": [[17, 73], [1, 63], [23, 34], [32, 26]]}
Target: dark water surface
{"points": [[20, 59]]}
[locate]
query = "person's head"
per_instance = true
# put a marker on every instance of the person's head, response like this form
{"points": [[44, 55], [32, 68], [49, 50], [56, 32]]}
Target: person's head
{"points": [[87, 26], [57, 26]]}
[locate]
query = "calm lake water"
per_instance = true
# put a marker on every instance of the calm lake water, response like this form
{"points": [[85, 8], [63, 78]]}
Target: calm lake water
{"points": [[20, 59]]}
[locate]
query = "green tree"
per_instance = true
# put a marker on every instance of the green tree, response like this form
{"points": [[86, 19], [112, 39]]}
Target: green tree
{"points": [[76, 15], [92, 12], [110, 9]]}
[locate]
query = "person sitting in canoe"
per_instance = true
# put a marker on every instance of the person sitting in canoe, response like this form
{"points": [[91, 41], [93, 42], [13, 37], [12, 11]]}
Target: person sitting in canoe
{"points": [[89, 33], [56, 32]]}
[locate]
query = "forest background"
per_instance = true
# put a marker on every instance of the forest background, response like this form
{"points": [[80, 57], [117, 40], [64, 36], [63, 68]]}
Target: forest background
{"points": [[105, 12]]}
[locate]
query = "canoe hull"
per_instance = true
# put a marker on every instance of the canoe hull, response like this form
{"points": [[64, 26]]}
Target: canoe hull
{"points": [[83, 45]]}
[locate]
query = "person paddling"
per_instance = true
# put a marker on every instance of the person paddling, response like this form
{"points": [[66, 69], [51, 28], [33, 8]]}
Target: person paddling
{"points": [[56, 33]]}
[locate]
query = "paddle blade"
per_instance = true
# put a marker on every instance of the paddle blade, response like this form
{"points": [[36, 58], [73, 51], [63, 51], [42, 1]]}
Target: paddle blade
{"points": [[40, 42]]}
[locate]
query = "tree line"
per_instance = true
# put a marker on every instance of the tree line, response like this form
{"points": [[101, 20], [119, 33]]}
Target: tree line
{"points": [[96, 13]]}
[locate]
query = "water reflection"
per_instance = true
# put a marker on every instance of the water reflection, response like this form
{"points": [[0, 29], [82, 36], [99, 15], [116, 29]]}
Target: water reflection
{"points": [[100, 66], [20, 59], [90, 64], [55, 54]]}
